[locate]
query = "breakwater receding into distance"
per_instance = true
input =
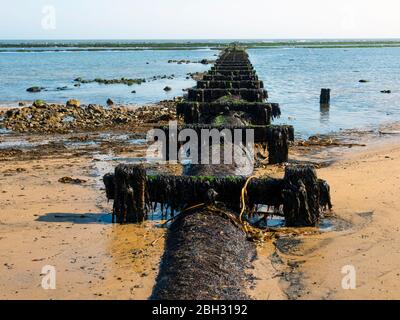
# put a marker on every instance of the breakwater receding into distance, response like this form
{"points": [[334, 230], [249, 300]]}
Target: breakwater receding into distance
{"points": [[207, 247]]}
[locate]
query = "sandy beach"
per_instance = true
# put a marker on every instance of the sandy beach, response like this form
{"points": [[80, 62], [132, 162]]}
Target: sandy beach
{"points": [[365, 191], [44, 222], [364, 234], [196, 161]]}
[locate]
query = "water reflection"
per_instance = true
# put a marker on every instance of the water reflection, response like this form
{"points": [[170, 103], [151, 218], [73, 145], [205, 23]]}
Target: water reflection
{"points": [[324, 113]]}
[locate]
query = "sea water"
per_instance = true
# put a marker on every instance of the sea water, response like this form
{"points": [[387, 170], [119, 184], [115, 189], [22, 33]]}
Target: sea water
{"points": [[292, 76]]}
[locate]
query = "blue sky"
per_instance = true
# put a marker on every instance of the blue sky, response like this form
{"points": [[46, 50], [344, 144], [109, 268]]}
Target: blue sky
{"points": [[199, 19]]}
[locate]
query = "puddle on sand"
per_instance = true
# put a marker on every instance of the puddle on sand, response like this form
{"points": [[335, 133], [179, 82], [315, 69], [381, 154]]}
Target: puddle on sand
{"points": [[17, 143], [21, 143], [138, 139], [104, 163], [4, 131], [87, 218], [327, 224], [77, 144]]}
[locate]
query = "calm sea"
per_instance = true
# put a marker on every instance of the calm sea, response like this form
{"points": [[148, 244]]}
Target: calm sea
{"points": [[292, 76]]}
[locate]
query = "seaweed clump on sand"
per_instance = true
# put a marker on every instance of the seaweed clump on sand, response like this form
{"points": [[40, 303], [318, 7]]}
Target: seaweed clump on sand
{"points": [[205, 259]]}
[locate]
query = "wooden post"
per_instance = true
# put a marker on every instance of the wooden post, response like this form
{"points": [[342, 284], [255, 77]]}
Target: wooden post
{"points": [[301, 196], [108, 180], [130, 194], [278, 144], [325, 98]]}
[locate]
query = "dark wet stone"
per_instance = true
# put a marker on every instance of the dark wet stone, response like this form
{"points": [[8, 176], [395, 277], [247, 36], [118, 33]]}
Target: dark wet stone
{"points": [[34, 89]]}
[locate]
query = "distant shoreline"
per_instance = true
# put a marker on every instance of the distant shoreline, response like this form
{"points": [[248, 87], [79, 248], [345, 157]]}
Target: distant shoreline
{"points": [[59, 45]]}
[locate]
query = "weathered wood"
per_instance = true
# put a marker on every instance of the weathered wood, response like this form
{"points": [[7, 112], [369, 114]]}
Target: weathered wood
{"points": [[209, 95], [129, 194], [278, 143], [206, 252], [212, 77], [324, 195], [135, 192], [325, 98], [197, 112], [301, 196], [215, 84], [108, 181], [179, 192], [275, 138]]}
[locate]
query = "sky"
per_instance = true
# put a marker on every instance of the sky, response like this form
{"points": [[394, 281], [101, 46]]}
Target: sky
{"points": [[199, 19]]}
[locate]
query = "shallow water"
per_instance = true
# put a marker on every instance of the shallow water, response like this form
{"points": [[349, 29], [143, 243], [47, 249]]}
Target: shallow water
{"points": [[52, 70], [293, 78]]}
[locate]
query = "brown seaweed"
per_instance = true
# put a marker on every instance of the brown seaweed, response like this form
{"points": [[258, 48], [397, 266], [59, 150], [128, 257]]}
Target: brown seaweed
{"points": [[300, 195]]}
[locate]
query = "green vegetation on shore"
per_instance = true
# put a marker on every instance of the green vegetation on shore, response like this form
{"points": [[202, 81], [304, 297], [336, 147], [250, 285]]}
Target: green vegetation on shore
{"points": [[27, 46]]}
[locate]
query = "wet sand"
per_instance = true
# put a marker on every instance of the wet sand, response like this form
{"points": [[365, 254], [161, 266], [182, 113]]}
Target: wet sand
{"points": [[366, 191], [307, 264], [44, 222]]}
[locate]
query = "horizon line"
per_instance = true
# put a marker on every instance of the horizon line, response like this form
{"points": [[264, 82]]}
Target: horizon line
{"points": [[197, 39]]}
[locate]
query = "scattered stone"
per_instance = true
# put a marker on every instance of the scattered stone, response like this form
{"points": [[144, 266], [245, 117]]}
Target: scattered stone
{"points": [[386, 91], [39, 103], [110, 102], [167, 88], [60, 118], [179, 61], [69, 180], [206, 61], [165, 118], [197, 76], [73, 103], [62, 88], [133, 91], [363, 81], [183, 61], [138, 286], [129, 82], [35, 89], [162, 77]]}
